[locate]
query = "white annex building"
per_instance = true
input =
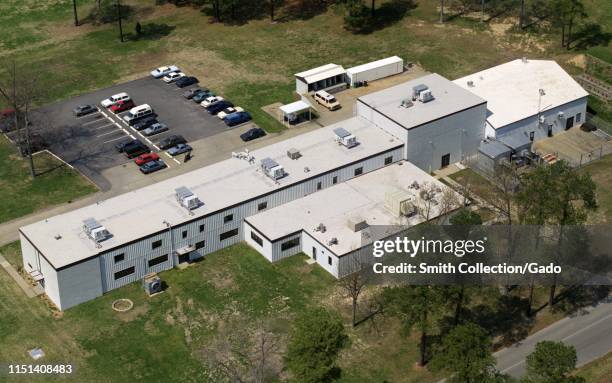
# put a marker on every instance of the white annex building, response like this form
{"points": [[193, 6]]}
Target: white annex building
{"points": [[316, 193]]}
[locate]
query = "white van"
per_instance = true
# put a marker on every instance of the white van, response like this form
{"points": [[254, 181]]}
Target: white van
{"points": [[327, 100], [138, 112], [114, 99]]}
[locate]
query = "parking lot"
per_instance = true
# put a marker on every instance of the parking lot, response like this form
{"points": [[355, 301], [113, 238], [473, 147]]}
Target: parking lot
{"points": [[88, 142]]}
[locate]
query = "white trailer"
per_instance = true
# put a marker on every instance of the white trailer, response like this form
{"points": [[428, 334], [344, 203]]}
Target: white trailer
{"points": [[375, 70]]}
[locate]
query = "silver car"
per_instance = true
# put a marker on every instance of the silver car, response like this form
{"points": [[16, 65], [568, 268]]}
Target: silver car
{"points": [[155, 129]]}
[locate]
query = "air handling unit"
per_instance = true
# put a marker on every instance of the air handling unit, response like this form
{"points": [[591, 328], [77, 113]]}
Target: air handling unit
{"points": [[152, 284], [187, 199], [422, 93], [400, 203], [345, 138], [272, 169], [95, 231]]}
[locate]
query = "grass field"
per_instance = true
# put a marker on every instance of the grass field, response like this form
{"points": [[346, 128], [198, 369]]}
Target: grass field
{"points": [[598, 371], [600, 171], [56, 183]]}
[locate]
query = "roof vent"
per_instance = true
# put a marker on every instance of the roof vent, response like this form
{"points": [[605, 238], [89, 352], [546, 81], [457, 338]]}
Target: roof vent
{"points": [[333, 241], [272, 169], [470, 84], [95, 231], [356, 224], [321, 227], [524, 60], [293, 153], [187, 199], [345, 138], [406, 103]]}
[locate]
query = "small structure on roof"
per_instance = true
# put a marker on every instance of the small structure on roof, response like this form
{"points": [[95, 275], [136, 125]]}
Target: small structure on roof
{"points": [[319, 78], [295, 113]]}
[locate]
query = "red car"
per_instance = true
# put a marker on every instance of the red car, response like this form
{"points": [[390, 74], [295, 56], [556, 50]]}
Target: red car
{"points": [[144, 158], [122, 106]]}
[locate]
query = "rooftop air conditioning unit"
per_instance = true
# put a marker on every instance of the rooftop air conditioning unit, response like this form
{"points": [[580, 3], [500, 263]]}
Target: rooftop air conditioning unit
{"points": [[152, 284], [95, 230], [416, 90], [470, 84], [321, 227], [293, 153], [357, 224], [400, 202], [333, 241], [345, 138], [187, 199], [426, 96], [272, 169]]}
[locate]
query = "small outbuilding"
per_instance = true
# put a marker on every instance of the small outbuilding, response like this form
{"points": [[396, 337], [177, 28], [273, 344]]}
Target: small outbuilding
{"points": [[320, 78], [490, 154], [296, 113], [374, 70]]}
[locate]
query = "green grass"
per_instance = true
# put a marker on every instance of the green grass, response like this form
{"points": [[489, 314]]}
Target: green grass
{"points": [[477, 183], [598, 371], [600, 172], [55, 183]]}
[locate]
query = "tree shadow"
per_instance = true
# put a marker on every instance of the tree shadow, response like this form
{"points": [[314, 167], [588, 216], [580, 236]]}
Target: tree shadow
{"points": [[238, 13], [389, 13], [591, 35], [151, 31], [574, 300], [303, 10]]}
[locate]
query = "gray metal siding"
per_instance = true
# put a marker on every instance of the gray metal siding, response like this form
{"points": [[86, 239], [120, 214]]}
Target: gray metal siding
{"points": [[278, 254]]}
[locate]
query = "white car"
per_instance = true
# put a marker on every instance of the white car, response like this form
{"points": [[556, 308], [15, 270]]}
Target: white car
{"points": [[114, 99], [163, 70], [211, 100], [225, 112], [172, 77]]}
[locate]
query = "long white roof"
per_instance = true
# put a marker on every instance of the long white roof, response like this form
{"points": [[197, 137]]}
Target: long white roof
{"points": [[374, 64], [512, 89], [320, 73], [142, 212]]}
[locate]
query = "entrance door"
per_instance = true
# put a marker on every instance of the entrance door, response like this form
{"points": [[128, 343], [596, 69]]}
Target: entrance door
{"points": [[314, 253], [183, 258], [549, 130], [569, 123], [446, 160]]}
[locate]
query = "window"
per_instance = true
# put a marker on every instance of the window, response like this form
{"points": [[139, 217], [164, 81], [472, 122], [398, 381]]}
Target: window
{"points": [[158, 260], [290, 244], [262, 205], [228, 218], [201, 228], [200, 244], [358, 171], [578, 117], [119, 257], [329, 260], [184, 233], [319, 185], [388, 160], [156, 244], [228, 234], [256, 238], [335, 180], [124, 273]]}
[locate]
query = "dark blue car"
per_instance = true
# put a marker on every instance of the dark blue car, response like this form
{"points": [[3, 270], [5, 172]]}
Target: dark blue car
{"points": [[237, 118], [219, 106], [186, 81], [152, 166]]}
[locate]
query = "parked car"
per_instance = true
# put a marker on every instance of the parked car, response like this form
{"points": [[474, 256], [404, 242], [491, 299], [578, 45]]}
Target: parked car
{"points": [[327, 100], [222, 114], [153, 166], [202, 96], [179, 149], [115, 98], [219, 106], [164, 70], [211, 100], [122, 106], [124, 144], [137, 113], [252, 134], [172, 77], [171, 141], [155, 129], [191, 93], [186, 81], [136, 150], [145, 123], [237, 118], [144, 158], [83, 110]]}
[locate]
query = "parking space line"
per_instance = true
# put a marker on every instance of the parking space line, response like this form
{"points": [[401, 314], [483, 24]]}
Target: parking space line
{"points": [[91, 122], [175, 160], [89, 115], [114, 139], [107, 133], [103, 126]]}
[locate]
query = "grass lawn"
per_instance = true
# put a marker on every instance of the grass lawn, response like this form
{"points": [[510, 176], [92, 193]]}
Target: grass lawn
{"points": [[601, 174], [598, 371], [56, 183], [476, 183]]}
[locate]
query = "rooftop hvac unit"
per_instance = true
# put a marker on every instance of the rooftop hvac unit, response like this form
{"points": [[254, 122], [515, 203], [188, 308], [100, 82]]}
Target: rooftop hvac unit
{"points": [[152, 284], [321, 227], [400, 203], [333, 241], [293, 153], [416, 90], [187, 199], [357, 224], [345, 137], [272, 169], [426, 96], [95, 230], [406, 103], [470, 84]]}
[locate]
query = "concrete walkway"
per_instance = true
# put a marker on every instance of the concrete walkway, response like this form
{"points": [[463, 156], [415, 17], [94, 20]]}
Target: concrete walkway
{"points": [[27, 289]]}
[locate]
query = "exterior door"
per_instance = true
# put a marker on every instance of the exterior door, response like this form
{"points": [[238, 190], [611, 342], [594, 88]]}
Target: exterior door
{"points": [[314, 253], [446, 160], [569, 123], [549, 130], [183, 258]]}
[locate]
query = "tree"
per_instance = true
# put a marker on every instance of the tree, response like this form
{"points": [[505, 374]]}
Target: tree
{"points": [[551, 362], [354, 283], [466, 355], [417, 306], [138, 29], [273, 4], [74, 10], [466, 217], [315, 342], [565, 14], [441, 11]]}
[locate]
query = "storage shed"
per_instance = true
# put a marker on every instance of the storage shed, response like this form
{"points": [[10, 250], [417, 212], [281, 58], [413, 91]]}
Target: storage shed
{"points": [[295, 113], [374, 70], [490, 154], [319, 78]]}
